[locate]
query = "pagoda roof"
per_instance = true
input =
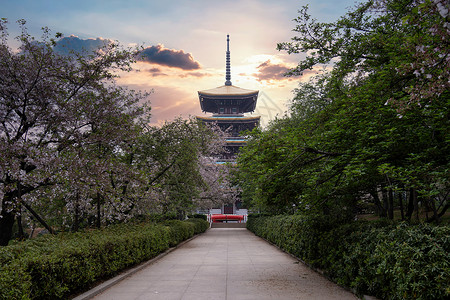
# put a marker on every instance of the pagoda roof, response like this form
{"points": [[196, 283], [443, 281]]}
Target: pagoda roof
{"points": [[227, 90], [229, 118]]}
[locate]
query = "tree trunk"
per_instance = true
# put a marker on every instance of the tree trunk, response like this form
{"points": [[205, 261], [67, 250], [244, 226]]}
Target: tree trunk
{"points": [[400, 202], [444, 210], [21, 234], [6, 222], [416, 205], [377, 202], [38, 217], [437, 217], [390, 203], [385, 202], [411, 202], [7, 216], [435, 213]]}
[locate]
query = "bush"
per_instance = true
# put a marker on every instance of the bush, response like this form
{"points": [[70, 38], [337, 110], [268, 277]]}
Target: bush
{"points": [[201, 225], [390, 261], [198, 216], [179, 231], [53, 267]]}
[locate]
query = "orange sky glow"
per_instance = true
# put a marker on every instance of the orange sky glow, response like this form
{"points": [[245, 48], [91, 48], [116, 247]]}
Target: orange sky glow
{"points": [[185, 43]]}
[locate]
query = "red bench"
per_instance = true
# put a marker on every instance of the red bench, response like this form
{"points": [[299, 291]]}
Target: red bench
{"points": [[218, 218]]}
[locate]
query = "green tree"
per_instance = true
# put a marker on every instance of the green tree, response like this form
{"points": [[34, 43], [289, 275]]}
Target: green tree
{"points": [[374, 126]]}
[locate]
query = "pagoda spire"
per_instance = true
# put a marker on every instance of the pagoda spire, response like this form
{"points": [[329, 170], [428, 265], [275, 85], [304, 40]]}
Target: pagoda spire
{"points": [[228, 68]]}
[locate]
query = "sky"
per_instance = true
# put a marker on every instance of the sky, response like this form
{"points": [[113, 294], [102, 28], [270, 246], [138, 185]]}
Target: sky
{"points": [[185, 43]]}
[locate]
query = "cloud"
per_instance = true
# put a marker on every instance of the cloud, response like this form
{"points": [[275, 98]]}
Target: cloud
{"points": [[155, 72], [169, 57], [195, 74], [269, 71], [73, 44]]}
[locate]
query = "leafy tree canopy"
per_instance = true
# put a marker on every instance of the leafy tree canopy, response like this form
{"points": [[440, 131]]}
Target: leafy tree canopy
{"points": [[373, 126]]}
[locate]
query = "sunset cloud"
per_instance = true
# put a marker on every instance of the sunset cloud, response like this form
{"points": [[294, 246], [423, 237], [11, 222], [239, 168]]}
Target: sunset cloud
{"points": [[194, 32], [155, 72], [70, 44], [169, 57], [269, 71], [194, 74]]}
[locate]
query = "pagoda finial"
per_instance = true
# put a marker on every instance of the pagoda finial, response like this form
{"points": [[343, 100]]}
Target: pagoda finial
{"points": [[228, 69]]}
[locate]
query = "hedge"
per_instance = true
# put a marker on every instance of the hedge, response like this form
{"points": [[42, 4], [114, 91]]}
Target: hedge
{"points": [[198, 216], [54, 267], [182, 231], [383, 259], [201, 225]]}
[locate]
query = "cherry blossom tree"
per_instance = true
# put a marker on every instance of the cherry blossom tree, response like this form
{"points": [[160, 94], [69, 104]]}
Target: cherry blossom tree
{"points": [[63, 123], [174, 160], [218, 186]]}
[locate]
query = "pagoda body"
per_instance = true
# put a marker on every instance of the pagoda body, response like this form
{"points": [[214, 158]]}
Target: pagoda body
{"points": [[228, 105]]}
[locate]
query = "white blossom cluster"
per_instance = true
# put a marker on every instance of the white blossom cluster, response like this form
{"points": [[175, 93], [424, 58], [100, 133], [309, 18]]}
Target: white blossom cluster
{"points": [[442, 7]]}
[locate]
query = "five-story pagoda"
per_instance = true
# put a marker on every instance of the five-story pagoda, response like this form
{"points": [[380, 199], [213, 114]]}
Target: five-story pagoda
{"points": [[228, 104]]}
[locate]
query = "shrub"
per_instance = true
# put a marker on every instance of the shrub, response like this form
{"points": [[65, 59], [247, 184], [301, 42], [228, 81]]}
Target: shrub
{"points": [[198, 216], [387, 260], [53, 267], [179, 231], [201, 225]]}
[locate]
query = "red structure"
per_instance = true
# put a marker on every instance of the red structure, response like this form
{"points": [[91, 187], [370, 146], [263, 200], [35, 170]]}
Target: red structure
{"points": [[225, 218]]}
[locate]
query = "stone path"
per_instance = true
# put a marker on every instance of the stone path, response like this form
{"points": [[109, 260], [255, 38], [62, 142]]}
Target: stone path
{"points": [[226, 263]]}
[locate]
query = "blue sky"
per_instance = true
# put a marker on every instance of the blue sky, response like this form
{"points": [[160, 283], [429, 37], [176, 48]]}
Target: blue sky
{"points": [[187, 29]]}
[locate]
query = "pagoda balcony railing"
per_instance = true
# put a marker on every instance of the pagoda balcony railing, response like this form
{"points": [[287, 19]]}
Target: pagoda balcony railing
{"points": [[226, 160], [227, 115]]}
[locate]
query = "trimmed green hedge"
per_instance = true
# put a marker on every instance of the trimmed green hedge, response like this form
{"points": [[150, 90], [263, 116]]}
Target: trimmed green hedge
{"points": [[386, 260], [198, 216], [201, 225], [182, 231], [53, 267]]}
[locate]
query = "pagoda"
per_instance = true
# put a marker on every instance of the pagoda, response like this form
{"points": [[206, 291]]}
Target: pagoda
{"points": [[228, 104]]}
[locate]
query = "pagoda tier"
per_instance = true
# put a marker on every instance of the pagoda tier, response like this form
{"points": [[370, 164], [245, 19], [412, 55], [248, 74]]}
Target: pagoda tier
{"points": [[233, 124], [228, 103], [228, 99]]}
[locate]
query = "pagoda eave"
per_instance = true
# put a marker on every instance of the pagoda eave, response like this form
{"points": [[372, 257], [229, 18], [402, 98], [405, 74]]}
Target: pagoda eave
{"points": [[243, 104], [228, 90], [230, 119]]}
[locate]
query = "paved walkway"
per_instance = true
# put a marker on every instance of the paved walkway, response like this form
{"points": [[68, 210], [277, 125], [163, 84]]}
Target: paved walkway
{"points": [[229, 264]]}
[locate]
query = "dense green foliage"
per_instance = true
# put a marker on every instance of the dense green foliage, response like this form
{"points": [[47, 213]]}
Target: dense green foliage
{"points": [[53, 267], [198, 216], [369, 133], [390, 261], [372, 128], [181, 231], [201, 224]]}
